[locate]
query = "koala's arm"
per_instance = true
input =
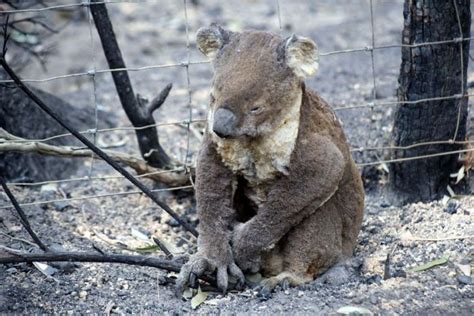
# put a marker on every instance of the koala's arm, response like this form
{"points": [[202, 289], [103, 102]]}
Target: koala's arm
{"points": [[313, 179], [214, 193]]}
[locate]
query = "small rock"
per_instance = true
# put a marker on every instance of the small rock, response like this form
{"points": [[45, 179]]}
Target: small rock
{"points": [[373, 299], [11, 270], [452, 207], [60, 205], [300, 293], [354, 310], [465, 279], [172, 222], [83, 294], [399, 274]]}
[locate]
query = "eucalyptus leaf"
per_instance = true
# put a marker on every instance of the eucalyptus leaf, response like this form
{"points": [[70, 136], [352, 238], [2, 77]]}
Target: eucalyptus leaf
{"points": [[429, 265], [199, 298], [148, 248]]}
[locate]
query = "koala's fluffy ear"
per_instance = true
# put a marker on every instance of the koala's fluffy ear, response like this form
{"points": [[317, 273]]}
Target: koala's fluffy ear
{"points": [[302, 56], [211, 39]]}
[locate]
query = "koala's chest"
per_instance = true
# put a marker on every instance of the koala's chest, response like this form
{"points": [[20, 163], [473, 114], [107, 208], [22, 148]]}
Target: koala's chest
{"points": [[260, 161]]}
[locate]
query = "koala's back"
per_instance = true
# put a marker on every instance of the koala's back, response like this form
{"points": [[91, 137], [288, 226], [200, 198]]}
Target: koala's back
{"points": [[317, 117]]}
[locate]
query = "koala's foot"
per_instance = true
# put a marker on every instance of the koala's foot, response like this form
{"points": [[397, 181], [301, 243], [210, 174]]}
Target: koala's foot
{"points": [[339, 273], [284, 279], [199, 265]]}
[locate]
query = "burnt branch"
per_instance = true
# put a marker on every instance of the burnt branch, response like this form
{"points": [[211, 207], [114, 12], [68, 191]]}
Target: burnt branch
{"points": [[137, 260], [17, 257], [23, 218], [163, 247], [137, 113], [94, 148], [156, 103], [12, 143]]}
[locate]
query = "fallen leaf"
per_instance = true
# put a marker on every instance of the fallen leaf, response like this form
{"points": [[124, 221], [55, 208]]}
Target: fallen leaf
{"points": [[451, 192], [109, 307], [445, 200], [384, 167], [429, 265], [148, 248], [139, 235], [354, 310], [198, 299], [464, 268], [45, 269], [458, 175], [51, 187]]}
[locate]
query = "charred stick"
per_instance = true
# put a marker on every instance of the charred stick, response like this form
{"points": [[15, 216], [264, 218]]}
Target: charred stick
{"points": [[93, 147], [138, 115], [23, 218], [163, 247], [144, 261], [160, 99]]}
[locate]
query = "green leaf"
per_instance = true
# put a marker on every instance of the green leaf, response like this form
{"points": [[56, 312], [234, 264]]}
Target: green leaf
{"points": [[429, 265], [149, 248], [199, 298]]}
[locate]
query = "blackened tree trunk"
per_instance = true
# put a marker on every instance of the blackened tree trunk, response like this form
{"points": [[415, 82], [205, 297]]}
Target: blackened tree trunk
{"points": [[140, 113], [429, 71]]}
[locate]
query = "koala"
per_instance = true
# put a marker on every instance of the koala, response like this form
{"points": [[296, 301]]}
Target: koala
{"points": [[276, 187]]}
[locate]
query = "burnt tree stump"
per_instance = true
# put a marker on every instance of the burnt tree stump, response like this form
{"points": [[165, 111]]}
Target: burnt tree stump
{"points": [[429, 71]]}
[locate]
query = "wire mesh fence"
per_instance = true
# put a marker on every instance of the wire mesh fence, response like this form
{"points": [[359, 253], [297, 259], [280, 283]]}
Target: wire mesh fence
{"points": [[188, 63]]}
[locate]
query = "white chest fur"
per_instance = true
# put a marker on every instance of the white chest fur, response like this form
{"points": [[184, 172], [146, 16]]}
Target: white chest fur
{"points": [[263, 158]]}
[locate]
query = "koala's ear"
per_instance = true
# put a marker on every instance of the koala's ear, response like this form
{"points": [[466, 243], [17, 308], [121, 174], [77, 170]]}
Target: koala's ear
{"points": [[302, 56], [211, 39]]}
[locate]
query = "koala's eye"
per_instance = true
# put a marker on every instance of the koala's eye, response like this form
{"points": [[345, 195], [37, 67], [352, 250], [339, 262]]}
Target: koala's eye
{"points": [[256, 109], [212, 98]]}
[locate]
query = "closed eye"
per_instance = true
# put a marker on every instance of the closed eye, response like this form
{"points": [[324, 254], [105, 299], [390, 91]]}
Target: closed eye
{"points": [[256, 109]]}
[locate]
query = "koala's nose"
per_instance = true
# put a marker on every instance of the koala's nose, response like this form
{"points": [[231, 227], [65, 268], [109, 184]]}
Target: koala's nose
{"points": [[224, 122]]}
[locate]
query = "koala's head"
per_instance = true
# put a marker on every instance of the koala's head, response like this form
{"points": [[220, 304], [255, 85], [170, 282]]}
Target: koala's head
{"points": [[258, 78]]}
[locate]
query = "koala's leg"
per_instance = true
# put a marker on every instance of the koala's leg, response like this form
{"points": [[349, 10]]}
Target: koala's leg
{"points": [[309, 249]]}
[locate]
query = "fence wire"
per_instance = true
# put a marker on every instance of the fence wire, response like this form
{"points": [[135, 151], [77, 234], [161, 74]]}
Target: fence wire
{"points": [[187, 164]]}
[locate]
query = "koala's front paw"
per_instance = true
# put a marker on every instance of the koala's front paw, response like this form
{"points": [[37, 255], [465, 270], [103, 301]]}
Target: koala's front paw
{"points": [[200, 264], [244, 256]]}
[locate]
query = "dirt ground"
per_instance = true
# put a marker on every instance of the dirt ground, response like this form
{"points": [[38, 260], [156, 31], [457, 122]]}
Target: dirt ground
{"points": [[154, 33]]}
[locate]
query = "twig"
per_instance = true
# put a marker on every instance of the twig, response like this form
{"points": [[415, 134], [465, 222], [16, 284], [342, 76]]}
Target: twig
{"points": [[94, 148], [19, 239], [140, 166], [144, 261], [440, 239], [386, 270], [160, 99], [162, 247], [23, 218], [138, 115]]}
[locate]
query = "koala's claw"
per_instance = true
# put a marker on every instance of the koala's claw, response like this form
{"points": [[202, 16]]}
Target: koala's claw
{"points": [[198, 266]]}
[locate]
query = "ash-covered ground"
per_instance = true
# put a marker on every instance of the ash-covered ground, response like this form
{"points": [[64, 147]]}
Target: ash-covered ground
{"points": [[154, 33]]}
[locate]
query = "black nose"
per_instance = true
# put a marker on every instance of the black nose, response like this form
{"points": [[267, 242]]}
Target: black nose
{"points": [[224, 123]]}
